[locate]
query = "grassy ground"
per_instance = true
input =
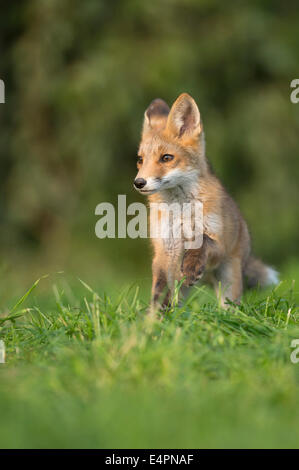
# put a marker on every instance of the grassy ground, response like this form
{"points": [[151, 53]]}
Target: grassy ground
{"points": [[87, 370]]}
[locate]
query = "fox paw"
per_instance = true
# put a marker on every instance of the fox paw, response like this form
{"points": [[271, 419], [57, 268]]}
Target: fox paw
{"points": [[192, 268]]}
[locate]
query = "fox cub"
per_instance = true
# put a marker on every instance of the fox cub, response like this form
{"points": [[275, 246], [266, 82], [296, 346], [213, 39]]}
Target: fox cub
{"points": [[172, 167]]}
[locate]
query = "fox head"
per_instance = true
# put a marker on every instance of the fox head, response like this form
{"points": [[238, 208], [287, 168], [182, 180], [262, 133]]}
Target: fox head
{"points": [[171, 152]]}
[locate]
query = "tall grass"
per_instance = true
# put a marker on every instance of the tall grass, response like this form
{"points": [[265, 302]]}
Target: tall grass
{"points": [[98, 371]]}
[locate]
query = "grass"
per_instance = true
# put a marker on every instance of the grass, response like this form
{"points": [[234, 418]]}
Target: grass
{"points": [[87, 370]]}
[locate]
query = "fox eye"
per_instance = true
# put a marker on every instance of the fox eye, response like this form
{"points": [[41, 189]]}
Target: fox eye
{"points": [[139, 159], [166, 158]]}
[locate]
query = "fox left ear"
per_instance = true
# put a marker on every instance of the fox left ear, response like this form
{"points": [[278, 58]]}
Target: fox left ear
{"points": [[184, 117], [155, 116]]}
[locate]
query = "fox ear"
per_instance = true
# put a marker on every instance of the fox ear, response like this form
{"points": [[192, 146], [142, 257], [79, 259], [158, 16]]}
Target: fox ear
{"points": [[184, 117], [155, 116]]}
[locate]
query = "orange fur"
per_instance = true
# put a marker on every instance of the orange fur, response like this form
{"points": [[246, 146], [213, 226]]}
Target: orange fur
{"points": [[224, 256]]}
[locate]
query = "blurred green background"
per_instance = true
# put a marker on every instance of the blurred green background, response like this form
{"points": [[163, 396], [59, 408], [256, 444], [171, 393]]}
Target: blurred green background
{"points": [[78, 78]]}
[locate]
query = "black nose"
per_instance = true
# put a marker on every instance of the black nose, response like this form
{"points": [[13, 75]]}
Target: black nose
{"points": [[139, 183]]}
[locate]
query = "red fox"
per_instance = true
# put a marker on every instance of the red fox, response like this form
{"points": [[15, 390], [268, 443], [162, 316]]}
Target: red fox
{"points": [[172, 167]]}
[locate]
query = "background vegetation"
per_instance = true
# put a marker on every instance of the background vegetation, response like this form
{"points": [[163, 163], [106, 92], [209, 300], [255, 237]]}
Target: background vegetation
{"points": [[78, 78]]}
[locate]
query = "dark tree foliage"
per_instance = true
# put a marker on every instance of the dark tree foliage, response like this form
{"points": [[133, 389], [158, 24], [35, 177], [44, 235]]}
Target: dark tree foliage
{"points": [[79, 76]]}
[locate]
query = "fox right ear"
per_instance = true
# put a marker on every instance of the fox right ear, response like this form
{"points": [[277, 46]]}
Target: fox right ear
{"points": [[155, 116], [184, 118]]}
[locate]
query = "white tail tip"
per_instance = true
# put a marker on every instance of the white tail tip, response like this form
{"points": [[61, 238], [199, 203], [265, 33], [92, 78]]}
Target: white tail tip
{"points": [[272, 277]]}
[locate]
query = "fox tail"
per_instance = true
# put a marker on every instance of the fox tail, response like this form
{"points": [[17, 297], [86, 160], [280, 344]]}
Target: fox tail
{"points": [[259, 274]]}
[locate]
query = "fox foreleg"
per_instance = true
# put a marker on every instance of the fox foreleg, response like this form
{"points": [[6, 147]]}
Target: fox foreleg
{"points": [[195, 260], [160, 290]]}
